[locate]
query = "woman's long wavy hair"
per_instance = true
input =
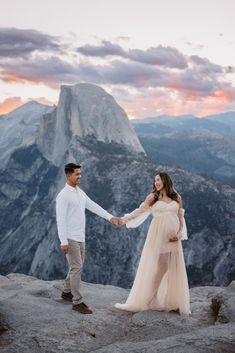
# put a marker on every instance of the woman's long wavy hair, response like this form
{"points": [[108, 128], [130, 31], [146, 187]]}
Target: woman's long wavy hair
{"points": [[168, 186]]}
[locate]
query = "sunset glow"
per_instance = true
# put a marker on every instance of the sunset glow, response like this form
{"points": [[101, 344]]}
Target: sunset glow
{"points": [[162, 62]]}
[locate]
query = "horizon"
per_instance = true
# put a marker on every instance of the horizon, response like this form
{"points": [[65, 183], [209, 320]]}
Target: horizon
{"points": [[131, 119], [155, 58]]}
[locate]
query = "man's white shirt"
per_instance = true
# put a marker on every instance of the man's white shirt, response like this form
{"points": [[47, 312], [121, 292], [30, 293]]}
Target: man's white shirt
{"points": [[70, 213]]}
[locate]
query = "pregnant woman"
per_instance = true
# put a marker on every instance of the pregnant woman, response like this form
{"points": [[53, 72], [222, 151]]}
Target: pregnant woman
{"points": [[161, 279]]}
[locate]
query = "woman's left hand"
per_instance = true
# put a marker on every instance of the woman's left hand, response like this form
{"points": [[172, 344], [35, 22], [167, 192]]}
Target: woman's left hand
{"points": [[174, 238]]}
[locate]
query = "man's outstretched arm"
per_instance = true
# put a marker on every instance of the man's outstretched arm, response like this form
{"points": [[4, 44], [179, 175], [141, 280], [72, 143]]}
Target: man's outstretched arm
{"points": [[99, 211]]}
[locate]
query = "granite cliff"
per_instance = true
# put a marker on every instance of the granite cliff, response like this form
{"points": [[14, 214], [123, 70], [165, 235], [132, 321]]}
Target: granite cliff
{"points": [[33, 319]]}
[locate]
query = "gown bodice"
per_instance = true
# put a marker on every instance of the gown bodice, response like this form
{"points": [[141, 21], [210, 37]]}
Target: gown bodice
{"points": [[161, 207]]}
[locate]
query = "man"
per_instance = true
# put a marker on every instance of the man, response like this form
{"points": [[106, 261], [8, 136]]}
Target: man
{"points": [[71, 203]]}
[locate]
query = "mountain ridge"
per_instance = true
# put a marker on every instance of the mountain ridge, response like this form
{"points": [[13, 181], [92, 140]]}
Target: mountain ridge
{"points": [[116, 177]]}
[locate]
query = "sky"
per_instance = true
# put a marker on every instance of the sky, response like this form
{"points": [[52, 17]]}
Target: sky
{"points": [[155, 57]]}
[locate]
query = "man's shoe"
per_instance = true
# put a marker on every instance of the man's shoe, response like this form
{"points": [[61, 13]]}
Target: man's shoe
{"points": [[82, 308], [67, 296]]}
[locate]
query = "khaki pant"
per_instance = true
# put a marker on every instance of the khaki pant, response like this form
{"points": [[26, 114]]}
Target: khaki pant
{"points": [[75, 258]]}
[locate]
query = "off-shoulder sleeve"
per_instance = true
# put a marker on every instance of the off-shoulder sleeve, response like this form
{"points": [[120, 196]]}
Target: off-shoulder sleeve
{"points": [[184, 232], [138, 216]]}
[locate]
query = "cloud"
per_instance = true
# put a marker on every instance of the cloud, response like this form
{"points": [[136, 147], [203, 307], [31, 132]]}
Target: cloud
{"points": [[160, 66], [205, 65], [200, 78], [55, 71], [51, 71], [160, 56], [119, 72], [10, 104], [195, 81], [106, 49], [43, 100], [159, 79], [195, 46], [156, 102], [22, 42]]}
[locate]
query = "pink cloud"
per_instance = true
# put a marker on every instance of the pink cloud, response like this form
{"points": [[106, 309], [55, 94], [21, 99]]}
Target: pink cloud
{"points": [[165, 80], [45, 101], [10, 104], [175, 102]]}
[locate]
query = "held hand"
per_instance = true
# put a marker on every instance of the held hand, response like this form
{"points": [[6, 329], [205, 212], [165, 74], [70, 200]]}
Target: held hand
{"points": [[64, 249], [121, 222], [115, 221]]}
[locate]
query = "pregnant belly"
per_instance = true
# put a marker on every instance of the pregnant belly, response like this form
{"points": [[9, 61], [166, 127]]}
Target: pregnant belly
{"points": [[171, 227]]}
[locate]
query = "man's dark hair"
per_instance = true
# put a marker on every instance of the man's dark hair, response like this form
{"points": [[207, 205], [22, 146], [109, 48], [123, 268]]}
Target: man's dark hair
{"points": [[70, 167]]}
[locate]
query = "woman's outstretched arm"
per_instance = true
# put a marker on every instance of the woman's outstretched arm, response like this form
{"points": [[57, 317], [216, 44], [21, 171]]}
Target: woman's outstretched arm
{"points": [[144, 207]]}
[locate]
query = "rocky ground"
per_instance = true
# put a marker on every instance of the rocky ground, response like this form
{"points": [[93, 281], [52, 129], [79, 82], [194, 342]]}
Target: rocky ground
{"points": [[34, 319]]}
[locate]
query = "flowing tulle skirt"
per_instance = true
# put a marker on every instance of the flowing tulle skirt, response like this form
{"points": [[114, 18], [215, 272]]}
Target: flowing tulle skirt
{"points": [[161, 279]]}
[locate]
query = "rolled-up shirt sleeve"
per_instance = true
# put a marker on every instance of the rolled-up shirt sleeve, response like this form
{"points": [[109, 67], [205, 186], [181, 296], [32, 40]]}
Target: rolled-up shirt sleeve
{"points": [[98, 210], [61, 218]]}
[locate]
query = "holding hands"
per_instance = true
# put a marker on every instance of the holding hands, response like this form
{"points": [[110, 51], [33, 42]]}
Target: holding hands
{"points": [[117, 221]]}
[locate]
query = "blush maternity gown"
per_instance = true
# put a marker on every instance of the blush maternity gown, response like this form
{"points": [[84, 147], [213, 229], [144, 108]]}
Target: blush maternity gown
{"points": [[161, 279]]}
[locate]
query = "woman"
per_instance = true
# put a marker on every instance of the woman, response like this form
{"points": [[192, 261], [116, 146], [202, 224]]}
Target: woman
{"points": [[161, 279]]}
